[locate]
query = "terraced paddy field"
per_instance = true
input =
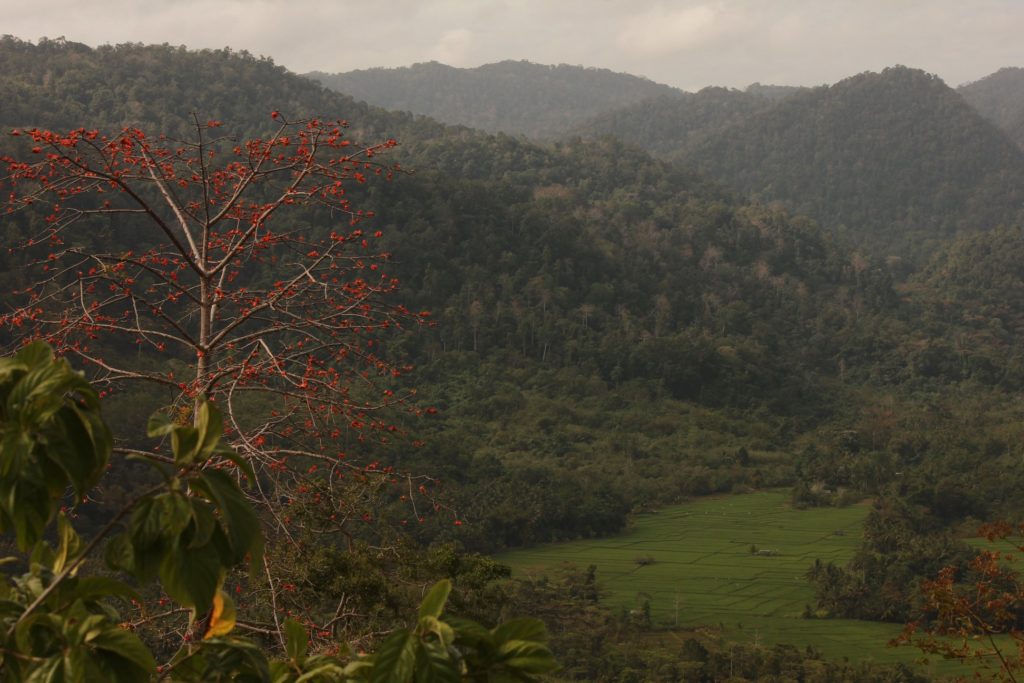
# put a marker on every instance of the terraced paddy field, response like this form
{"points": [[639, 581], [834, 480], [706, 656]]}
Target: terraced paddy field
{"points": [[704, 573]]}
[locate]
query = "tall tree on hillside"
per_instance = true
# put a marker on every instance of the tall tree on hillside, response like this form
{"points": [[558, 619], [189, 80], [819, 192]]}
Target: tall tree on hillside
{"points": [[188, 265]]}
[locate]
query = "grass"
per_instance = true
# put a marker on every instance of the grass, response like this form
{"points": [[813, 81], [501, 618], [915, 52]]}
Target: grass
{"points": [[703, 572]]}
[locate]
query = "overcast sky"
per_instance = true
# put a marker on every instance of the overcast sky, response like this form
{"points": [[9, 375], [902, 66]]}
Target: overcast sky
{"points": [[685, 43]]}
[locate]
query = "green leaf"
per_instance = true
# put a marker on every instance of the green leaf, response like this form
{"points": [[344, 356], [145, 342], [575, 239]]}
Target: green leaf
{"points": [[48, 672], [469, 631], [39, 394], [243, 524], [76, 664], [528, 656], [118, 554], [29, 506], [184, 444], [203, 521], [93, 588], [520, 629], [121, 554], [359, 669], [82, 626], [175, 511], [160, 424], [331, 671], [69, 546], [433, 603], [125, 645], [231, 455], [191, 576], [434, 664], [147, 524], [42, 555], [23, 633], [36, 353], [280, 672], [70, 444], [210, 425], [232, 658], [432, 625], [395, 659], [296, 640], [11, 366], [110, 667]]}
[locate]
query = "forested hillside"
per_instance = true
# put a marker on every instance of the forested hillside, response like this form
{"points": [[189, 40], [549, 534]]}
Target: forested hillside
{"points": [[589, 268], [891, 161], [666, 124], [999, 97], [512, 97], [614, 330], [583, 276]]}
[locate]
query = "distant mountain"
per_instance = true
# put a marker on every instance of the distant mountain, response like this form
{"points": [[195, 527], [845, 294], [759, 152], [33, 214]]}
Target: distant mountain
{"points": [[773, 92], [666, 124], [999, 97], [516, 97], [890, 159]]}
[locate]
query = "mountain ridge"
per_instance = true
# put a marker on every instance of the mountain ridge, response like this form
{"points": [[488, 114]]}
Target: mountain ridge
{"points": [[889, 159], [999, 97], [515, 97]]}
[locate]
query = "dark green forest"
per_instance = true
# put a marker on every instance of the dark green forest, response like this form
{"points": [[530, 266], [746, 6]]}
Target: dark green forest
{"points": [[683, 295], [511, 97], [890, 161]]}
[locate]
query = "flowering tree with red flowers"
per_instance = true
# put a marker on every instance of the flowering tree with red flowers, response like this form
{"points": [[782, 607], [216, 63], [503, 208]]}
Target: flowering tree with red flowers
{"points": [[246, 267], [977, 618]]}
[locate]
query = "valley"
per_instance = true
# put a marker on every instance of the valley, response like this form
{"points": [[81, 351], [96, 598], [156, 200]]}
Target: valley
{"points": [[755, 355], [735, 564]]}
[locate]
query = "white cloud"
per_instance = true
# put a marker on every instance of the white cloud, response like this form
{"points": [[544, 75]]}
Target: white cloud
{"points": [[687, 43], [661, 31], [454, 47]]}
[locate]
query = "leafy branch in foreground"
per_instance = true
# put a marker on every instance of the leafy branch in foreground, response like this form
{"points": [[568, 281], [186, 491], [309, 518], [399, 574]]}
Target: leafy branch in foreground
{"points": [[59, 623]]}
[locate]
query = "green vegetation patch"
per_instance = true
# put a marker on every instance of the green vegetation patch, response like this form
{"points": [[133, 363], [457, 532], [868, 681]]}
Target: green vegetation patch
{"points": [[737, 562]]}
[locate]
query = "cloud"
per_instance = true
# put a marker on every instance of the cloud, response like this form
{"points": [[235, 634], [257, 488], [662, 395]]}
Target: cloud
{"points": [[659, 31], [454, 47], [687, 43]]}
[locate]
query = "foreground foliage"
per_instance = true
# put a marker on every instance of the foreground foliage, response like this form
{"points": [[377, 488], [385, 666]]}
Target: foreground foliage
{"points": [[60, 623], [976, 614]]}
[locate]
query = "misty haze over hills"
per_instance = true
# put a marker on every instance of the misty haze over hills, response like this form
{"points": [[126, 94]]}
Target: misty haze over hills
{"points": [[521, 97], [999, 97]]}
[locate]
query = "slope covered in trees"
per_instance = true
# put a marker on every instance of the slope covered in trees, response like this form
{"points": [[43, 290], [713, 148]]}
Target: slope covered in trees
{"points": [[580, 278], [892, 160], [512, 97], [614, 331], [666, 124], [565, 272], [999, 97]]}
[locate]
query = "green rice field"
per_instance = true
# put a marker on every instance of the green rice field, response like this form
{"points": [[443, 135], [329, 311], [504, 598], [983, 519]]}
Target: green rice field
{"points": [[702, 572]]}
